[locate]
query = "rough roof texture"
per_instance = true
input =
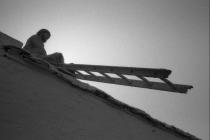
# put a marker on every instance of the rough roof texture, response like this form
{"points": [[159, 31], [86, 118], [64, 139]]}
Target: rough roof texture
{"points": [[16, 56]]}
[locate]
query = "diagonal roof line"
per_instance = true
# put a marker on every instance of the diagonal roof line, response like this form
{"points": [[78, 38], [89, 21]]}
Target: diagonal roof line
{"points": [[15, 55]]}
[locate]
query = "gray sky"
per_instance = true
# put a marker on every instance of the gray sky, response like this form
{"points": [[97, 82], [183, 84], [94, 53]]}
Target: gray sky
{"points": [[170, 34]]}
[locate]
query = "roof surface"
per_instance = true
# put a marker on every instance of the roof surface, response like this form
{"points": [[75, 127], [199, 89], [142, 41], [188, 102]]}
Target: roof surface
{"points": [[19, 55]]}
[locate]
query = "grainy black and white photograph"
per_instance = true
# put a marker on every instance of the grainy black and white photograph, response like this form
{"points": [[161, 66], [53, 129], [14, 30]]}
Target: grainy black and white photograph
{"points": [[104, 70]]}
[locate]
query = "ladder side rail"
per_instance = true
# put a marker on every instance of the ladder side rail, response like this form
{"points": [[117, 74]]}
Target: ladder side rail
{"points": [[138, 83]]}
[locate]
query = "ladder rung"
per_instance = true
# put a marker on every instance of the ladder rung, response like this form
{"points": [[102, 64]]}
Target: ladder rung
{"points": [[126, 79], [107, 76], [90, 73], [145, 80], [169, 83], [79, 73]]}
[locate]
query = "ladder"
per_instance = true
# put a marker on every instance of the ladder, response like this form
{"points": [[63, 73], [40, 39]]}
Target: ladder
{"points": [[128, 76], [122, 75]]}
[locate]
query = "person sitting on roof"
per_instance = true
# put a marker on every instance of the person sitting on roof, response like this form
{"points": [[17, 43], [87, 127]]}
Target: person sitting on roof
{"points": [[35, 45]]}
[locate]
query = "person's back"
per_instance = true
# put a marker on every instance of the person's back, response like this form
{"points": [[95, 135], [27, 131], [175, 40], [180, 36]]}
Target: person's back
{"points": [[35, 46]]}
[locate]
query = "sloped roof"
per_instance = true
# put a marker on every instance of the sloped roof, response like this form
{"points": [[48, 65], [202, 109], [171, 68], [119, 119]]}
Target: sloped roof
{"points": [[17, 55], [8, 40]]}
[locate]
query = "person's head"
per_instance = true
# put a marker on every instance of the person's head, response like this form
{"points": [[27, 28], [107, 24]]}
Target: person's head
{"points": [[44, 34]]}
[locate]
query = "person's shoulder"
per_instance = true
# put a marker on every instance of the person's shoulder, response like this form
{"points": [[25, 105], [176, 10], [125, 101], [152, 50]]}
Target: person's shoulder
{"points": [[35, 38]]}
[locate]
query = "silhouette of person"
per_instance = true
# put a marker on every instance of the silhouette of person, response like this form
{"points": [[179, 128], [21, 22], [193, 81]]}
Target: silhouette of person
{"points": [[35, 45]]}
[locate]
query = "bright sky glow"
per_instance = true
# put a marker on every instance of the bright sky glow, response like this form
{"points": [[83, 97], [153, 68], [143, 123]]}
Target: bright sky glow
{"points": [[170, 34]]}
